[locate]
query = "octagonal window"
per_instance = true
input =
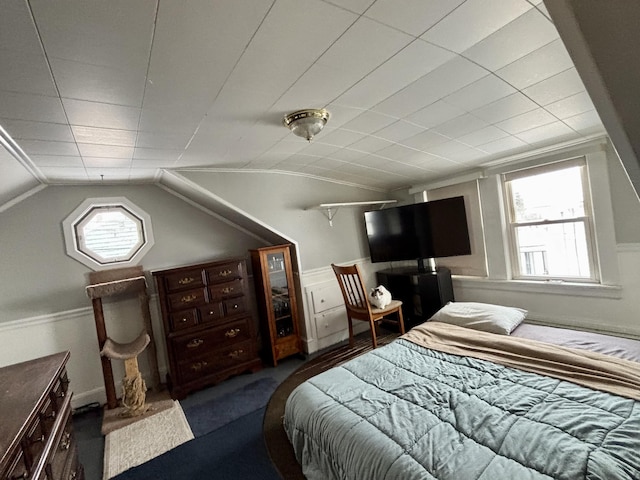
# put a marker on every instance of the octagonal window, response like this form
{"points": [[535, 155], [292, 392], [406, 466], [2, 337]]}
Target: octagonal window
{"points": [[106, 232]]}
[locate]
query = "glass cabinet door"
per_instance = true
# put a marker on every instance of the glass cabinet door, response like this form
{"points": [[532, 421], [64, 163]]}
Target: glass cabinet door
{"points": [[280, 300]]}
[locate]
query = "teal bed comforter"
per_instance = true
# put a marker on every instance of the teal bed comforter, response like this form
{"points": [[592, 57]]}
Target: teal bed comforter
{"points": [[407, 412]]}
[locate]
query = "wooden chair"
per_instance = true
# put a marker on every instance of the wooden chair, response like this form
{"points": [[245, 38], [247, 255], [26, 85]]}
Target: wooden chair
{"points": [[357, 303]]}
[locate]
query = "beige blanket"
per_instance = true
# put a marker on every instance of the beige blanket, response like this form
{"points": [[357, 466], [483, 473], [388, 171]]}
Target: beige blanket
{"points": [[590, 369]]}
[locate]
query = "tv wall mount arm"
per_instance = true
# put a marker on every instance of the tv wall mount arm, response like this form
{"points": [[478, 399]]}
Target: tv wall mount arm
{"points": [[330, 209]]}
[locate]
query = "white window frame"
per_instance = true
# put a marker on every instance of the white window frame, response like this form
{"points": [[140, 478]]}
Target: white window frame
{"points": [[74, 242], [586, 220], [597, 152]]}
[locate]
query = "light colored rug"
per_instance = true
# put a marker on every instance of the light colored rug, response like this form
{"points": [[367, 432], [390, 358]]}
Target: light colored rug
{"points": [[141, 441]]}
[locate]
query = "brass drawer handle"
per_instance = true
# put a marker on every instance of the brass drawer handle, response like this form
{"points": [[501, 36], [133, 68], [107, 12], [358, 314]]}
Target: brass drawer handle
{"points": [[183, 320], [212, 312], [236, 353], [65, 443], [227, 290], [38, 440], [235, 306], [52, 415], [195, 343], [225, 273], [232, 333], [196, 367], [23, 476], [186, 280], [188, 298]]}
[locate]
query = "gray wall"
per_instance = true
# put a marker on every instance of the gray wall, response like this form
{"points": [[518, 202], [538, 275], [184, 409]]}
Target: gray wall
{"points": [[38, 278], [625, 203], [282, 201]]}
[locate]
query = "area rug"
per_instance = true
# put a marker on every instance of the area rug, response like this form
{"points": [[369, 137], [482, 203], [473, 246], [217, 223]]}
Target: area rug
{"points": [[275, 438], [232, 452], [141, 441], [213, 414]]}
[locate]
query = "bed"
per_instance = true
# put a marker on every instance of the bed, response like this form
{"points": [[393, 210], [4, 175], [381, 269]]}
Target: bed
{"points": [[450, 403]]}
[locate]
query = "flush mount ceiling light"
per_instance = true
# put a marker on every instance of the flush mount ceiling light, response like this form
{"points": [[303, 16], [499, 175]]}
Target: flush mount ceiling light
{"points": [[307, 123]]}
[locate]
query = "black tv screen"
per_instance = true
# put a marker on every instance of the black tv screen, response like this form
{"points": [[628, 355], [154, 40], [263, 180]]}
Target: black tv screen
{"points": [[419, 231]]}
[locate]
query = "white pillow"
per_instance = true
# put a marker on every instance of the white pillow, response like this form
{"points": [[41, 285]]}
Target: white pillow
{"points": [[481, 316]]}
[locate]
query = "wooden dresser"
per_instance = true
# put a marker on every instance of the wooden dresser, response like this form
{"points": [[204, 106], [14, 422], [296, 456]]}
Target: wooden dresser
{"points": [[36, 432], [209, 329]]}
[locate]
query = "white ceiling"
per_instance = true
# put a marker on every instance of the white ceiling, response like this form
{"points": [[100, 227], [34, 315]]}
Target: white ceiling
{"points": [[95, 90]]}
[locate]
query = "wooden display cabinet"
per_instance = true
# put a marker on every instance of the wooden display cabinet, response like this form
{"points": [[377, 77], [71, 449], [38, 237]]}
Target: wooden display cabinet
{"points": [[276, 295]]}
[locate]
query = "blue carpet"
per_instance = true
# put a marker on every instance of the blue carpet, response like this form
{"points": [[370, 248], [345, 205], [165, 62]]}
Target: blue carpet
{"points": [[214, 414], [234, 451]]}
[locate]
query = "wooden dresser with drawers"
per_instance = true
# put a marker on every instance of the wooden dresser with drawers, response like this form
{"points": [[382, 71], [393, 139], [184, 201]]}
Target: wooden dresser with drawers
{"points": [[36, 432], [208, 324]]}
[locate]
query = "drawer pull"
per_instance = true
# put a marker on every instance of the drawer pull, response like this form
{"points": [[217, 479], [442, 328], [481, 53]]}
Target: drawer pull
{"points": [[227, 290], [183, 320], [195, 343], [235, 306], [196, 367], [225, 273], [51, 416], [186, 280], [236, 353], [65, 442], [38, 440], [232, 333], [62, 394], [23, 475], [188, 298], [73, 475], [212, 312]]}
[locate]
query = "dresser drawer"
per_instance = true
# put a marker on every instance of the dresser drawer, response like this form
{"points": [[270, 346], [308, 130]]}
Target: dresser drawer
{"points": [[184, 280], [17, 467], [221, 359], [183, 320], [211, 312], [60, 390], [62, 454], [35, 440], [188, 347], [223, 272], [48, 416], [234, 306], [187, 299], [226, 289]]}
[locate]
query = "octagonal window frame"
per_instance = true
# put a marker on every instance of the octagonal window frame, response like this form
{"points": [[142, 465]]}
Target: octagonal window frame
{"points": [[87, 211]]}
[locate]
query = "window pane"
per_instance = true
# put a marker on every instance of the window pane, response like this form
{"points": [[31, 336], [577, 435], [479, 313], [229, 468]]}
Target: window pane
{"points": [[552, 195], [558, 250], [111, 234]]}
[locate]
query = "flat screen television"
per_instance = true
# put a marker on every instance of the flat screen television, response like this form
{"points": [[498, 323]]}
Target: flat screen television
{"points": [[420, 231]]}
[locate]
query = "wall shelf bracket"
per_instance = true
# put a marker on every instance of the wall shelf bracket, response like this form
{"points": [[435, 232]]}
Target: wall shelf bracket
{"points": [[330, 209]]}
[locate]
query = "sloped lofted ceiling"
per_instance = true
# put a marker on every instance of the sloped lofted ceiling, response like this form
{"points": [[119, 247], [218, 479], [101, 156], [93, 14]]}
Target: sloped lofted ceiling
{"points": [[118, 90]]}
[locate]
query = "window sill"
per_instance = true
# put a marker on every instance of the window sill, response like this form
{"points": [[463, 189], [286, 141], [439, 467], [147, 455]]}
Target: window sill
{"points": [[529, 286]]}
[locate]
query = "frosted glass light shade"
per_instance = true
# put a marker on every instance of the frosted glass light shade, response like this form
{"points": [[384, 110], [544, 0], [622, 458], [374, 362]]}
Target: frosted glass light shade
{"points": [[307, 123]]}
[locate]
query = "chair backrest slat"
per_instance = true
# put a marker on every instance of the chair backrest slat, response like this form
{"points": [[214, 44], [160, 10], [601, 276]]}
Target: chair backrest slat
{"points": [[352, 286]]}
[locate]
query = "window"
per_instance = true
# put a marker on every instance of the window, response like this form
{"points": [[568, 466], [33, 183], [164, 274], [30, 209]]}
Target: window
{"points": [[550, 222], [102, 233]]}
